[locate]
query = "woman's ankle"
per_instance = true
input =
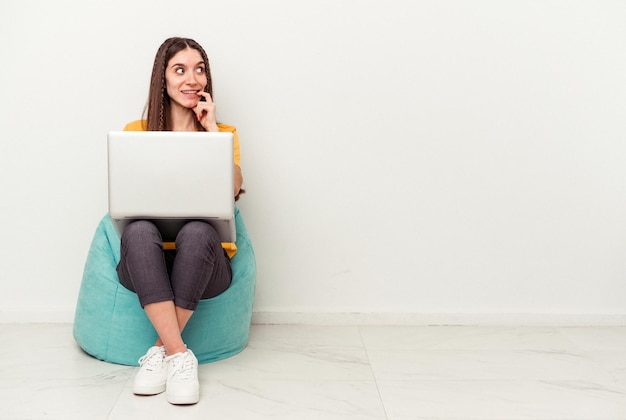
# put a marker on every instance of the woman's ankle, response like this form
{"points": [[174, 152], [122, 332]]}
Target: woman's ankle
{"points": [[175, 348]]}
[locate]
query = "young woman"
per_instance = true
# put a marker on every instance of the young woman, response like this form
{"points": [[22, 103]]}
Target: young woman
{"points": [[171, 282]]}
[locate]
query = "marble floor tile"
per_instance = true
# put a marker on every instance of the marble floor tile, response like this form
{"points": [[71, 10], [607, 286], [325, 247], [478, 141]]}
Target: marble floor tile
{"points": [[612, 361], [465, 338], [252, 399], [44, 374], [485, 365], [597, 338], [502, 400], [299, 353], [304, 336], [320, 363]]}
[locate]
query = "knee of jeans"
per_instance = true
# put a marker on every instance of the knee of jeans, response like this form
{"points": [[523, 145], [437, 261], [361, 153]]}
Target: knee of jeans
{"points": [[199, 233], [140, 230]]}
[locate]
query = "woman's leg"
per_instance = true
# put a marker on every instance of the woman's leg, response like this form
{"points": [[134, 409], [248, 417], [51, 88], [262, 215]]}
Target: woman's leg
{"points": [[201, 268], [200, 271], [142, 268], [168, 321]]}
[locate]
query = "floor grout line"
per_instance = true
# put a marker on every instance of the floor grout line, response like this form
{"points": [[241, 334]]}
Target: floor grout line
{"points": [[369, 363]]}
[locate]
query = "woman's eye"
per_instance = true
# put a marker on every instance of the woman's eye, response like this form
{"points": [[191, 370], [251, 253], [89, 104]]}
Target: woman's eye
{"points": [[200, 70], [179, 71]]}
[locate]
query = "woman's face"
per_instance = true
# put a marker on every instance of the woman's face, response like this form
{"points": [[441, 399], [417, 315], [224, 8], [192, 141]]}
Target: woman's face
{"points": [[185, 76]]}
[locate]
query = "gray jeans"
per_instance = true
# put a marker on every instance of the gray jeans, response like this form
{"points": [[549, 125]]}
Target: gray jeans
{"points": [[199, 268]]}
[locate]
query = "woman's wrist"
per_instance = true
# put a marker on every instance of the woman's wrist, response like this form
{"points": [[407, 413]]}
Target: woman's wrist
{"points": [[212, 127]]}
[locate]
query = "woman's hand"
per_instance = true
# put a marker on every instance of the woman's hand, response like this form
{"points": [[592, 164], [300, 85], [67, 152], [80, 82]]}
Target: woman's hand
{"points": [[205, 112]]}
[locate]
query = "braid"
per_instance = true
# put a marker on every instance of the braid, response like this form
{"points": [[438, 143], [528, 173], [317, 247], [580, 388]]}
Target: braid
{"points": [[161, 125]]}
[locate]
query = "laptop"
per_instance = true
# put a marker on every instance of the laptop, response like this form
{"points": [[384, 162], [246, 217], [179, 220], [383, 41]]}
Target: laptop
{"points": [[170, 178]]}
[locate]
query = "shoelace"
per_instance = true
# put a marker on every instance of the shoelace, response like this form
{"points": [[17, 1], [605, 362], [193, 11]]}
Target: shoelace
{"points": [[182, 365], [153, 360]]}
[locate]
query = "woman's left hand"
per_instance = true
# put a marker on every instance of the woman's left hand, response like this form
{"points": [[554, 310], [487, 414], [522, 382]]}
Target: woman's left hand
{"points": [[205, 112]]}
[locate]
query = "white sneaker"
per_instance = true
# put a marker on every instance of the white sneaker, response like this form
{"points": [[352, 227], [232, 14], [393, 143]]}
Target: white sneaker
{"points": [[182, 378], [152, 375]]}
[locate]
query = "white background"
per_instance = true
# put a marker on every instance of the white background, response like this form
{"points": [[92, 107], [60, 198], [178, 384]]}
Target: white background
{"points": [[429, 161]]}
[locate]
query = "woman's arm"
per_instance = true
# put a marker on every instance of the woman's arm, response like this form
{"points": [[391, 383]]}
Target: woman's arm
{"points": [[238, 181]]}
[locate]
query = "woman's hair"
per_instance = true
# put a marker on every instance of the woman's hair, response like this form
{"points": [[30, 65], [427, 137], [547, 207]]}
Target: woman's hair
{"points": [[157, 110]]}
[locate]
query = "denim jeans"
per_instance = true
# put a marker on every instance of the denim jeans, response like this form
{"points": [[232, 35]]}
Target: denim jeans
{"points": [[198, 268]]}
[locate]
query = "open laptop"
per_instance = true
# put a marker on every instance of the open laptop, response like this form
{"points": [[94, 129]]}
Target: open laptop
{"points": [[170, 178]]}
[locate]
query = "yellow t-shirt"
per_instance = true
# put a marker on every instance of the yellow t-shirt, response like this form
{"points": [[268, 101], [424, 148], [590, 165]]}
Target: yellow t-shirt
{"points": [[141, 125]]}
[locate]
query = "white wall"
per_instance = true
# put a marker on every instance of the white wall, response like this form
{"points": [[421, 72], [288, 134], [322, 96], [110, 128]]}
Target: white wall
{"points": [[420, 161]]}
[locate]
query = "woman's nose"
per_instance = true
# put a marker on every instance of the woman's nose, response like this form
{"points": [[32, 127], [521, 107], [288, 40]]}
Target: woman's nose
{"points": [[191, 78]]}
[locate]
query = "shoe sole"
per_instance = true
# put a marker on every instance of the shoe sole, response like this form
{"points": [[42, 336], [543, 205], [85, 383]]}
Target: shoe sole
{"points": [[183, 399], [148, 390]]}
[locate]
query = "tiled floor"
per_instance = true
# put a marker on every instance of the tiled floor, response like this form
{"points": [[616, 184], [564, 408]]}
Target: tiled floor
{"points": [[305, 372]]}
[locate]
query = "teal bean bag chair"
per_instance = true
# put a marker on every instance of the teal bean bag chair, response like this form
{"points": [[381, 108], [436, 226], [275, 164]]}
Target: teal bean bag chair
{"points": [[110, 324]]}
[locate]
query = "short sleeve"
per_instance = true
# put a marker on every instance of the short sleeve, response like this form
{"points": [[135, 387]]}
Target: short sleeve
{"points": [[236, 152]]}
